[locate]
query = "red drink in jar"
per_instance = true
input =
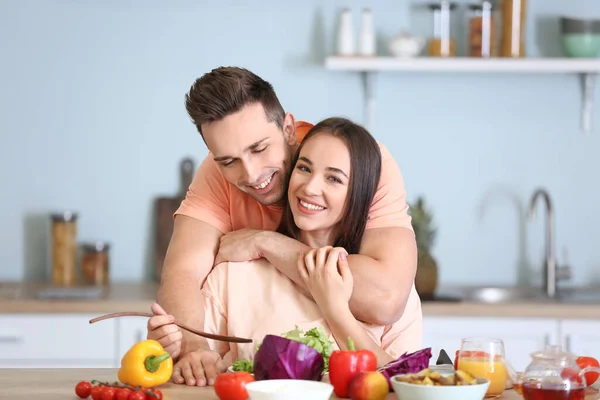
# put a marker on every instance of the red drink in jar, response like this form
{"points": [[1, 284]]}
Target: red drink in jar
{"points": [[533, 391]]}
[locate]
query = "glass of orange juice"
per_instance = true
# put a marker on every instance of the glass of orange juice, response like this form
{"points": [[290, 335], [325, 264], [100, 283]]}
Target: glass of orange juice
{"points": [[484, 358]]}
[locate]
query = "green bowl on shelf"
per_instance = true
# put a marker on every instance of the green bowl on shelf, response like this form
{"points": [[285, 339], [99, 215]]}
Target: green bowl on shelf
{"points": [[580, 36], [581, 45]]}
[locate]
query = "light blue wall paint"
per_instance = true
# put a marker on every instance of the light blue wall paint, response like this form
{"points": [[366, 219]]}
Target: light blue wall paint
{"points": [[93, 120]]}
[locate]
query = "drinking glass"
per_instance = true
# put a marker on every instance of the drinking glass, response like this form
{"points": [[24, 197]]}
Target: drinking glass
{"points": [[484, 358]]}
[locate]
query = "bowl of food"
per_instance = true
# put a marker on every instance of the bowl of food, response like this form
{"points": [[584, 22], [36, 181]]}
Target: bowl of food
{"points": [[288, 389], [430, 384]]}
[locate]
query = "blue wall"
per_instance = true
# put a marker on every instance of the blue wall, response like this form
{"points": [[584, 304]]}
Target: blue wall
{"points": [[93, 120]]}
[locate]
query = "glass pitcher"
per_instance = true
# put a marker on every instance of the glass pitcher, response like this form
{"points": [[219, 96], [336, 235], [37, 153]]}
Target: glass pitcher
{"points": [[552, 374]]}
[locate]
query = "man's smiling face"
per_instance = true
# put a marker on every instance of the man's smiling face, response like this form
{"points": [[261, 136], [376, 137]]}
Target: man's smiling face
{"points": [[253, 153]]}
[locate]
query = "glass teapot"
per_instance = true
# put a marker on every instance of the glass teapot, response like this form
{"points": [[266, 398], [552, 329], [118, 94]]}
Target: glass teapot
{"points": [[552, 374]]}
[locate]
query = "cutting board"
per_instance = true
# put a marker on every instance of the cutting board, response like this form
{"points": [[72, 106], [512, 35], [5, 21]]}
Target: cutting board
{"points": [[165, 207]]}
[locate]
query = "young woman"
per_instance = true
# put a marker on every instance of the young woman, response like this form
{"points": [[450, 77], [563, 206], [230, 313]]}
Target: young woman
{"points": [[332, 185]]}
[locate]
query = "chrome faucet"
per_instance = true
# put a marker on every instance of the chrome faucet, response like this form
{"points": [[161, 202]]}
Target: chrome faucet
{"points": [[552, 273]]}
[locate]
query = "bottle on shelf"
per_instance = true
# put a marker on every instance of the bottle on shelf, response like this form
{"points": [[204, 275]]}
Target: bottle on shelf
{"points": [[482, 30], [442, 43], [366, 40], [513, 28], [345, 45]]}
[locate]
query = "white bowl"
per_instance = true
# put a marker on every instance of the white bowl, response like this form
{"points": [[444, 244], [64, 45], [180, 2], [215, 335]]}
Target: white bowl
{"points": [[405, 391], [288, 389]]}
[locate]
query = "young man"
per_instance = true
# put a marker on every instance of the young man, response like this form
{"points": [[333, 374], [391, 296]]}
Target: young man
{"points": [[234, 204]]}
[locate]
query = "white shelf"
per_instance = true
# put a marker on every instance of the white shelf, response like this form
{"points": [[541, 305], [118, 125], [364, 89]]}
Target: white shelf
{"points": [[430, 64], [585, 69]]}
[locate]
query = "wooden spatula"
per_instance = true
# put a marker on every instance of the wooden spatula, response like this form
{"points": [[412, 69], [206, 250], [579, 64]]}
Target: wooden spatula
{"points": [[231, 339]]}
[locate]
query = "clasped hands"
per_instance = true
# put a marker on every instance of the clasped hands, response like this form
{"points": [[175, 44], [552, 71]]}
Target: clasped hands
{"points": [[324, 272]]}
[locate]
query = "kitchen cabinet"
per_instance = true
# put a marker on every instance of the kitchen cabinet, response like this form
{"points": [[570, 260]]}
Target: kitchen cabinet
{"points": [[581, 337], [130, 331], [50, 340], [521, 336], [67, 340]]}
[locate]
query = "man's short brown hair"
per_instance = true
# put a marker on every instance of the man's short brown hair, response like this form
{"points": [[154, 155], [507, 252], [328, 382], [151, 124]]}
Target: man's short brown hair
{"points": [[226, 90]]}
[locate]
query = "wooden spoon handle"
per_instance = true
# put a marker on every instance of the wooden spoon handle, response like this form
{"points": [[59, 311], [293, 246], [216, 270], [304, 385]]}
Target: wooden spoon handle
{"points": [[231, 339]]}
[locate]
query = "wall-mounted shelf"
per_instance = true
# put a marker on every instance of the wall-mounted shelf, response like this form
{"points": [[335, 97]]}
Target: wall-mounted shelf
{"points": [[586, 69]]}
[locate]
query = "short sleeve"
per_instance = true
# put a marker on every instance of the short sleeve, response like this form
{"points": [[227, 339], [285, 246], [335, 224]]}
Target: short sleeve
{"points": [[389, 207], [207, 198]]}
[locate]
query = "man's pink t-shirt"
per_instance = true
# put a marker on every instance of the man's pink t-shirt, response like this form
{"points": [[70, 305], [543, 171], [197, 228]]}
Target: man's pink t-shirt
{"points": [[212, 199]]}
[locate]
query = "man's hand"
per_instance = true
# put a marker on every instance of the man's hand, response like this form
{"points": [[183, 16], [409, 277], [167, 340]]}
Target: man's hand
{"points": [[197, 368], [240, 245], [162, 329]]}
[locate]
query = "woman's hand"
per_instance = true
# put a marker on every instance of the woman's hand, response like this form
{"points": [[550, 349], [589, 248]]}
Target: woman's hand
{"points": [[327, 276]]}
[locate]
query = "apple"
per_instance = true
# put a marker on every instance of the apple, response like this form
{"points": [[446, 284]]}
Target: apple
{"points": [[368, 385]]}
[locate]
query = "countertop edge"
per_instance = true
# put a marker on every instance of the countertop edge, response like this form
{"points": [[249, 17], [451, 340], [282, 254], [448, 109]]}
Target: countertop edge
{"points": [[429, 309], [22, 299]]}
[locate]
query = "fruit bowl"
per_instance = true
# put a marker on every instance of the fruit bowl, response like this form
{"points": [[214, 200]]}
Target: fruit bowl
{"points": [[404, 390]]}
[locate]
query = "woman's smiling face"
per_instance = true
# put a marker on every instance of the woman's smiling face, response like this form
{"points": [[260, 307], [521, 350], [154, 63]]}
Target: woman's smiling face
{"points": [[319, 184]]}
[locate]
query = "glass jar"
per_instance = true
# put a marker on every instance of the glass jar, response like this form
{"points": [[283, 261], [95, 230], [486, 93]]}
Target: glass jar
{"points": [[482, 30], [513, 28], [441, 44], [95, 263], [64, 247], [552, 374]]}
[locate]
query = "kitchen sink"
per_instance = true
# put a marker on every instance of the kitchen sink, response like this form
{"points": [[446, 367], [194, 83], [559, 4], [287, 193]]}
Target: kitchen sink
{"points": [[504, 295], [580, 296], [520, 294]]}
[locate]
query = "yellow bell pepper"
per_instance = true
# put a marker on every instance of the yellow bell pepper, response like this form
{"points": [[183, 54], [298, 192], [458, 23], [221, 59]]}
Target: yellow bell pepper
{"points": [[146, 364]]}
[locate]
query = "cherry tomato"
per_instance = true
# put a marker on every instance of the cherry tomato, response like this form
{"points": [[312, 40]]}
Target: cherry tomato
{"points": [[122, 394], [97, 392], [157, 394], [232, 385], [586, 362], [108, 393], [83, 389], [137, 395]]}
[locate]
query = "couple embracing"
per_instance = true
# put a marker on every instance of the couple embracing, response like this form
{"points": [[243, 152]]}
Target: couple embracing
{"points": [[285, 224]]}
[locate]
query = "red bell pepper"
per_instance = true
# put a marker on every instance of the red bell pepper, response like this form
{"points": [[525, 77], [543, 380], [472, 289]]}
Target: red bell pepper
{"points": [[345, 365]]}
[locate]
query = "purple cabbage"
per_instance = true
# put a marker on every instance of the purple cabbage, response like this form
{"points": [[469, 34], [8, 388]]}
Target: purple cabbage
{"points": [[281, 358], [406, 364]]}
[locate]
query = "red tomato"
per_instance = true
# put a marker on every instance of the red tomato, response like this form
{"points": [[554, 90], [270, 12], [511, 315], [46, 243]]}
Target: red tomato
{"points": [[137, 395], [232, 385], [586, 362], [108, 393], [83, 389], [156, 394], [97, 392], [122, 394]]}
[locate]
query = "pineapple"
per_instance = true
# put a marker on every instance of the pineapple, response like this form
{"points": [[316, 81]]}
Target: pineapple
{"points": [[427, 269]]}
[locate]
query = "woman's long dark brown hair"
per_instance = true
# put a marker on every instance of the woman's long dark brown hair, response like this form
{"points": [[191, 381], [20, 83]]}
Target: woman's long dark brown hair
{"points": [[365, 165]]}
